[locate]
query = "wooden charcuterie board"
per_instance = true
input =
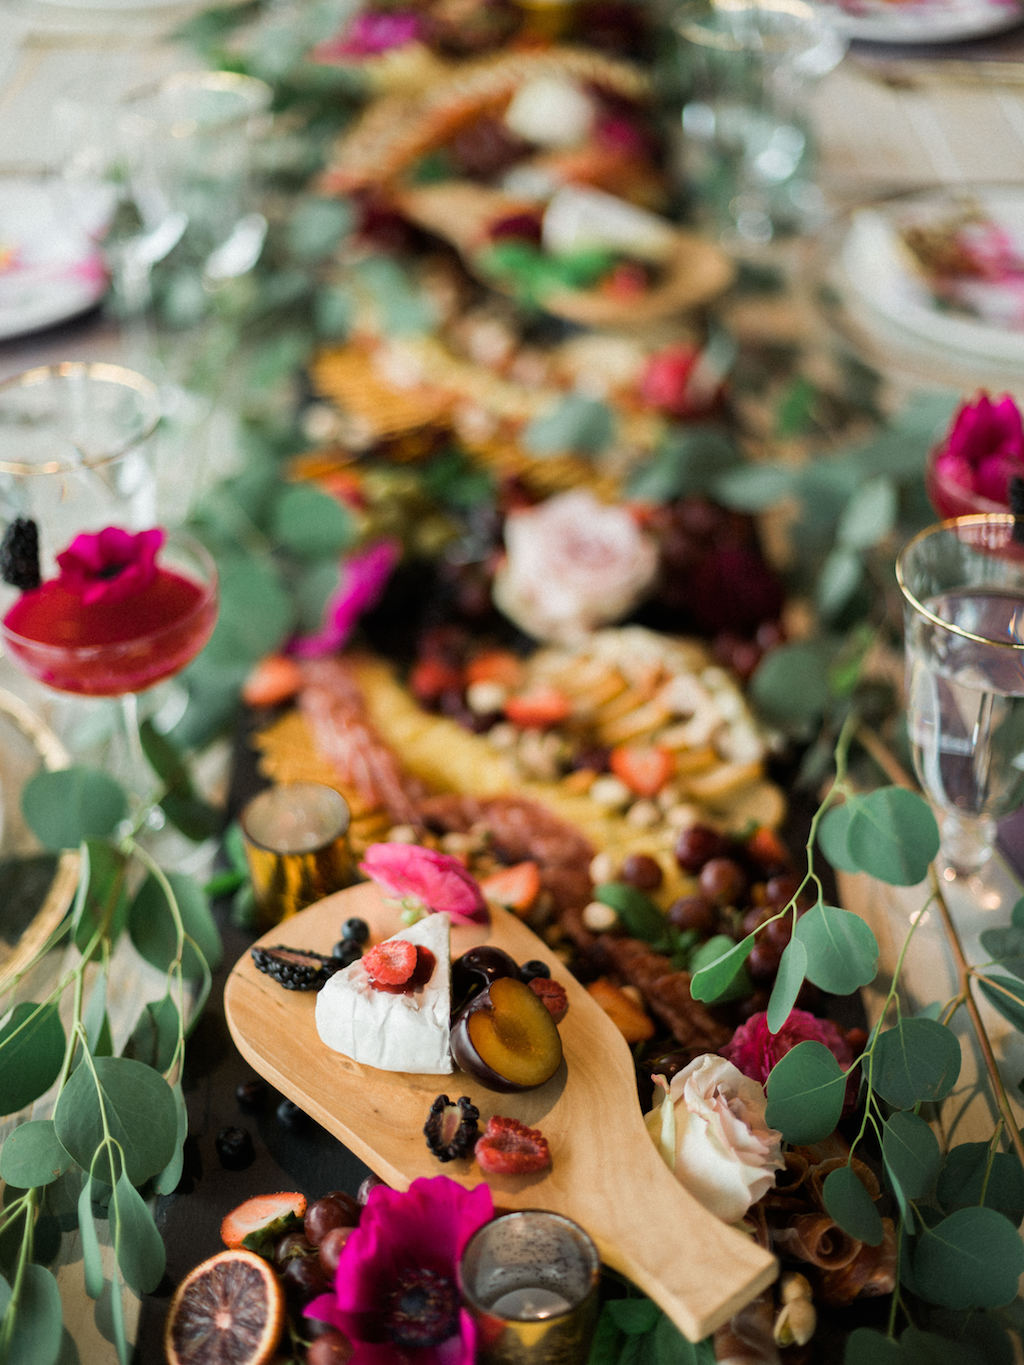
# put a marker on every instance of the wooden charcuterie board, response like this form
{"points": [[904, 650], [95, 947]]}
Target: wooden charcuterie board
{"points": [[606, 1172]]}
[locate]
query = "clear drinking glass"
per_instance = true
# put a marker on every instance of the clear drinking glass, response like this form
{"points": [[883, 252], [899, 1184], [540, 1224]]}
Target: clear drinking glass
{"points": [[963, 588], [748, 149]]}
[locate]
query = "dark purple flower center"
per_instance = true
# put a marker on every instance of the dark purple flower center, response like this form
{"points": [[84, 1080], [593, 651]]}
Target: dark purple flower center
{"points": [[423, 1309]]}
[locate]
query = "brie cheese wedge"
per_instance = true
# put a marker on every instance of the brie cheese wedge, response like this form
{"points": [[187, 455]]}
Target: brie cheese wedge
{"points": [[393, 1032]]}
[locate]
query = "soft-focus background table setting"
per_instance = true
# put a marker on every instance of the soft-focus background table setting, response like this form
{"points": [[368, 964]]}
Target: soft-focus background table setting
{"points": [[166, 216]]}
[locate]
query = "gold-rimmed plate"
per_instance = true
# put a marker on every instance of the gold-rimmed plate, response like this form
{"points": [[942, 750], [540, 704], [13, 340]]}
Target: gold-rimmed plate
{"points": [[36, 887]]}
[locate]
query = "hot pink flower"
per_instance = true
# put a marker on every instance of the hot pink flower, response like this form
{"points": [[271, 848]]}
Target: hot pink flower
{"points": [[754, 1050], [395, 1294], [111, 564], [430, 880], [371, 33], [363, 578], [984, 448]]}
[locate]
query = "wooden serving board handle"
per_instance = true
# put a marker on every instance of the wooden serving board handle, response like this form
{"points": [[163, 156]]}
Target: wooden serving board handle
{"points": [[606, 1172]]}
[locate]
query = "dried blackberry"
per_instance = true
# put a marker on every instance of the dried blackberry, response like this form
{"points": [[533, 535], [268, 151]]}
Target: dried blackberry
{"points": [[234, 1147], [452, 1129], [296, 969], [19, 554]]}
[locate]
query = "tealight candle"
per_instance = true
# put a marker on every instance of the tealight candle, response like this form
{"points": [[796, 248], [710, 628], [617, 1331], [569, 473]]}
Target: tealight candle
{"points": [[296, 844], [529, 1280]]}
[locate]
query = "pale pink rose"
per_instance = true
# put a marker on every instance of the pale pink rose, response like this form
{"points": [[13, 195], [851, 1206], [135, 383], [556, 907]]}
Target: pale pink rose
{"points": [[710, 1128], [572, 564], [426, 880]]}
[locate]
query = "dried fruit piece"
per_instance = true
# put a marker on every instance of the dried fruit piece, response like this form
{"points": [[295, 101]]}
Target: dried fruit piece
{"points": [[495, 665], [452, 1127], [296, 969], [391, 963], [19, 554], [631, 1019], [553, 994], [508, 1147], [272, 681], [516, 887], [229, 1310], [644, 768], [538, 708], [255, 1213]]}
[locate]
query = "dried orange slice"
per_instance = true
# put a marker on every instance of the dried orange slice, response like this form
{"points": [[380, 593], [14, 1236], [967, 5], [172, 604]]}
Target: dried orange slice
{"points": [[229, 1310]]}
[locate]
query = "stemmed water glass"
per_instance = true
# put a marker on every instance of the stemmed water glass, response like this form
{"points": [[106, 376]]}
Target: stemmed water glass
{"points": [[963, 588], [132, 605]]}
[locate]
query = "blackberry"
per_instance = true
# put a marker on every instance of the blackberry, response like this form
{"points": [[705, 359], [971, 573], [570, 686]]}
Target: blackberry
{"points": [[19, 555], [452, 1129], [296, 969], [234, 1148]]}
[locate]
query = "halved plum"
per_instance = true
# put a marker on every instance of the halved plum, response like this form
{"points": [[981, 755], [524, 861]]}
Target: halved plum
{"points": [[505, 1037]]}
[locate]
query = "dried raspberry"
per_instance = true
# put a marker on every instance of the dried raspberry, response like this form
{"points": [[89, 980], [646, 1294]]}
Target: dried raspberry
{"points": [[553, 995], [391, 963], [19, 554], [452, 1128], [508, 1147]]}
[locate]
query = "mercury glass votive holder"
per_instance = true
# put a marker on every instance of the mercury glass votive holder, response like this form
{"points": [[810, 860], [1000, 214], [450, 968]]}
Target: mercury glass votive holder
{"points": [[529, 1280], [296, 845]]}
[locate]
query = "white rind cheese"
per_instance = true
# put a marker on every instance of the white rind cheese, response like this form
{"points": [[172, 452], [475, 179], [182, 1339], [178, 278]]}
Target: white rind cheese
{"points": [[393, 1032]]}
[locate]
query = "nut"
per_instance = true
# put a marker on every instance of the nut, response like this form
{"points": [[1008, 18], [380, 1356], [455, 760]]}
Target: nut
{"points": [[795, 1323], [609, 791], [643, 815], [485, 697], [794, 1286], [599, 918], [602, 868]]}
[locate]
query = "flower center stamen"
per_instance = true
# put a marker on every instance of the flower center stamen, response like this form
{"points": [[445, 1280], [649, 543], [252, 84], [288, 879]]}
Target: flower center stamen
{"points": [[423, 1309]]}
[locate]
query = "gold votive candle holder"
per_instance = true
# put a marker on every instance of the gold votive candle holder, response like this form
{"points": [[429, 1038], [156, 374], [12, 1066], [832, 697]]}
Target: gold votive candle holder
{"points": [[529, 1280], [296, 845]]}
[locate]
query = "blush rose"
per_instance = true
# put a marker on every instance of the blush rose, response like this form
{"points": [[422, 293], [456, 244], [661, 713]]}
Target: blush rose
{"points": [[710, 1128], [572, 564]]}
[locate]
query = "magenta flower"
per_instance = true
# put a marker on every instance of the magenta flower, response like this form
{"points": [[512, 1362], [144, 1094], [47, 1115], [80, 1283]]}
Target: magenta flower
{"points": [[984, 448], [754, 1050], [371, 33], [395, 1294], [109, 565], [425, 879], [363, 578]]}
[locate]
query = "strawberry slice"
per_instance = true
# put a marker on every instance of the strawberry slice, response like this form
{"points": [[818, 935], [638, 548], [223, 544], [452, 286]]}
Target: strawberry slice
{"points": [[515, 887], [257, 1213], [508, 1147], [644, 768], [538, 708], [391, 963]]}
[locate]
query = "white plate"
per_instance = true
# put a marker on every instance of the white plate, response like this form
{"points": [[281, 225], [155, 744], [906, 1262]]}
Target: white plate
{"points": [[923, 21], [49, 269], [871, 268]]}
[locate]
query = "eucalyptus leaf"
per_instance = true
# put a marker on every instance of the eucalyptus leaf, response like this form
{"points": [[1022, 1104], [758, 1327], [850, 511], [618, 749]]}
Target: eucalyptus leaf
{"points": [[915, 1062], [921, 1347], [576, 424], [870, 514], [833, 837], [712, 982], [32, 1045], [155, 1036], [790, 685], [317, 226], [95, 1020], [842, 951], [92, 1257], [840, 576], [38, 1320], [137, 1242], [32, 1156], [806, 1089], [127, 1099], [1005, 994], [849, 1203], [639, 915], [100, 902], [65, 807], [684, 463], [865, 1346], [753, 487], [789, 980], [633, 1316], [892, 835], [911, 1154], [972, 1173], [166, 1182], [971, 1259], [1006, 946], [153, 930], [255, 613], [311, 523]]}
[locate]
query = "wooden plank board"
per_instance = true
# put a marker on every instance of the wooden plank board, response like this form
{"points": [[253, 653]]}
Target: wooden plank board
{"points": [[606, 1172]]}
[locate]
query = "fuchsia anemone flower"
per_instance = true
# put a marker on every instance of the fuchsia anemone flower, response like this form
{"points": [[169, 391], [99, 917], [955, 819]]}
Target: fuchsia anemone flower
{"points": [[364, 577], [371, 33], [110, 565], [754, 1050], [425, 879], [395, 1294], [984, 448]]}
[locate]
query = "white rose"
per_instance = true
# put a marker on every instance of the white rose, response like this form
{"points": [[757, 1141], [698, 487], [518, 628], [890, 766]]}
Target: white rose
{"points": [[710, 1129], [572, 564]]}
